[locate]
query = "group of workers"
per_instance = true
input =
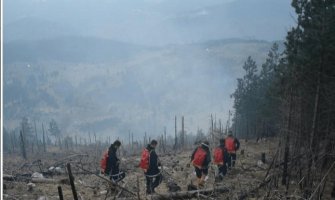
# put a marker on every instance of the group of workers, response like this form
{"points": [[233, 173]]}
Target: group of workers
{"points": [[224, 156]]}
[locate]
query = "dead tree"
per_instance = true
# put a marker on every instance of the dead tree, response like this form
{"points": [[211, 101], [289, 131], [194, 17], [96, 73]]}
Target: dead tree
{"points": [[182, 138], [132, 143], [60, 143], [263, 157], [129, 142], [145, 139], [12, 137], [60, 192], [36, 138], [71, 178], [175, 133], [23, 148], [89, 136], [212, 129], [165, 135], [287, 144], [44, 146], [162, 143]]}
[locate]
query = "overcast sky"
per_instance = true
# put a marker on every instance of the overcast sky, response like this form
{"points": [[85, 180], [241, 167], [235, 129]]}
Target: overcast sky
{"points": [[150, 22], [189, 80]]}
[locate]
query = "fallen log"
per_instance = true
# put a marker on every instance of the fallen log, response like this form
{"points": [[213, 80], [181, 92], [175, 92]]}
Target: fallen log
{"points": [[65, 160], [109, 181], [23, 177], [253, 190], [121, 190], [50, 181], [188, 194], [7, 177]]}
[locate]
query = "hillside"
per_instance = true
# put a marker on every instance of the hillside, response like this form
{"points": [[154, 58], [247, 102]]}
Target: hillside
{"points": [[90, 84]]}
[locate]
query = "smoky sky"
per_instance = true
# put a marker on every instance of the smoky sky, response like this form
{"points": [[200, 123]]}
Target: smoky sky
{"points": [[148, 22], [114, 66]]}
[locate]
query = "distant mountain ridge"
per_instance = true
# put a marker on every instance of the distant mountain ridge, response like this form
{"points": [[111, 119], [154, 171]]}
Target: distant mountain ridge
{"points": [[90, 49], [67, 49], [148, 22], [97, 84]]}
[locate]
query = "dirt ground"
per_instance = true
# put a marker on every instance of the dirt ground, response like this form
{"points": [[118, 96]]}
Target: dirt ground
{"points": [[248, 173]]}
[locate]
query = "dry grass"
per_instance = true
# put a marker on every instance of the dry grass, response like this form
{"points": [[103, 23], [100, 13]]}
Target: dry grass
{"points": [[246, 175]]}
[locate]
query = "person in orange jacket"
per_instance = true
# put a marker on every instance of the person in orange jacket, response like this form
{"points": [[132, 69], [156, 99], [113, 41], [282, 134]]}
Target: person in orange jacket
{"points": [[201, 159], [220, 158], [149, 163], [112, 168], [232, 145]]}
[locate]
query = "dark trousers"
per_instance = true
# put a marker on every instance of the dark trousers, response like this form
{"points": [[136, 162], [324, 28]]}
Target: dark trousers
{"points": [[153, 181], [222, 170], [231, 160], [118, 176], [199, 172]]}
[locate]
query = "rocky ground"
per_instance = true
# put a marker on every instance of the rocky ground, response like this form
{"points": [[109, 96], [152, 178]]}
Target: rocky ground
{"points": [[247, 175]]}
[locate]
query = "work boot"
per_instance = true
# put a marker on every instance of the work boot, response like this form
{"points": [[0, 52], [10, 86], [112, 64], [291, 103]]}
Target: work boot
{"points": [[150, 191], [201, 182], [219, 178], [201, 185]]}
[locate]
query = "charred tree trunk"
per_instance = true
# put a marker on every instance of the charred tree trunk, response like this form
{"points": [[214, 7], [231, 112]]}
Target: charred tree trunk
{"points": [[36, 138], [44, 146], [132, 142], [165, 143], [145, 139], [60, 192], [23, 148], [129, 142], [182, 132], [287, 144], [89, 137], [60, 143], [175, 133], [71, 178], [12, 141], [212, 129], [32, 146], [247, 128]]}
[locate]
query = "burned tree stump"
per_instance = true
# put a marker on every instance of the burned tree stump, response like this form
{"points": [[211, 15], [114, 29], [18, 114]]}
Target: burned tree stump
{"points": [[23, 148], [173, 187], [71, 178], [263, 158], [60, 192]]}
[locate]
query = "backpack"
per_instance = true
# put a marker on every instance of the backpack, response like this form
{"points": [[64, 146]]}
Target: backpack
{"points": [[103, 161], [218, 156], [199, 157], [230, 144], [144, 163]]}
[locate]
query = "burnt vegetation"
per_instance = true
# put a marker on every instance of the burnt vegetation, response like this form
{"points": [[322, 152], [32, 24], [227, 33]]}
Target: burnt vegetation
{"points": [[283, 113]]}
